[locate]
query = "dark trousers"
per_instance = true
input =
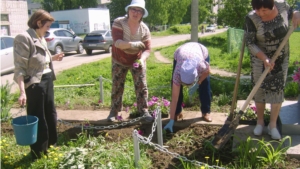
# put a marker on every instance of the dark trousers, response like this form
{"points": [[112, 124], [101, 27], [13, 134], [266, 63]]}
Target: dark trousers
{"points": [[204, 93], [40, 103]]}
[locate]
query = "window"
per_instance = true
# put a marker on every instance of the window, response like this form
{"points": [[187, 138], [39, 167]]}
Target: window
{"points": [[9, 41], [2, 45], [4, 17], [68, 34]]}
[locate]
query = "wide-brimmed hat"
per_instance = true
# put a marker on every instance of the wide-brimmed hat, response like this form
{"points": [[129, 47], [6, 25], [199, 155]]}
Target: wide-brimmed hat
{"points": [[140, 4], [188, 71]]}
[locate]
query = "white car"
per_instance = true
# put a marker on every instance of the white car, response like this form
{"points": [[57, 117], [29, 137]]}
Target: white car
{"points": [[7, 56], [210, 28]]}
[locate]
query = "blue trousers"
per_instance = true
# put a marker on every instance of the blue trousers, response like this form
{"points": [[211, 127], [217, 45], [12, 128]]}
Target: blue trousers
{"points": [[204, 93]]}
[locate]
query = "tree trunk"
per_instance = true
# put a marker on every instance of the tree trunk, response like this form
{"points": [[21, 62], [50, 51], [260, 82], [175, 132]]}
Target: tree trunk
{"points": [[194, 21]]}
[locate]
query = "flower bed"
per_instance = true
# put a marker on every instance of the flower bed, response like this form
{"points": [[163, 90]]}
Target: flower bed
{"points": [[249, 116], [153, 104]]}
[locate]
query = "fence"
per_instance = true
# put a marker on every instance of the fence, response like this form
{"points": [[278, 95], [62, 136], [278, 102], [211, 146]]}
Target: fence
{"points": [[234, 40]]}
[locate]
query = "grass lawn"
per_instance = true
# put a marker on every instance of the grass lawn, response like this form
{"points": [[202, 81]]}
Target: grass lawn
{"points": [[159, 77]]}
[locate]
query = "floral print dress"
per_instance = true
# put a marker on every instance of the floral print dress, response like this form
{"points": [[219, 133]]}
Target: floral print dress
{"points": [[266, 36]]}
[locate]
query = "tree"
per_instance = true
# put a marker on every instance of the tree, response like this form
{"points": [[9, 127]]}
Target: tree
{"points": [[117, 8], [177, 10], [234, 12], [157, 9], [158, 12], [204, 11]]}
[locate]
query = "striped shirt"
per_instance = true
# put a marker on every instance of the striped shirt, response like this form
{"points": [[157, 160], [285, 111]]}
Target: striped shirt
{"points": [[121, 32]]}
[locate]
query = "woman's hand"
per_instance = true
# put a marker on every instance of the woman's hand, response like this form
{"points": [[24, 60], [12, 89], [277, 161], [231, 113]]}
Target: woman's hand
{"points": [[22, 99], [296, 19], [268, 64], [140, 45], [58, 57]]}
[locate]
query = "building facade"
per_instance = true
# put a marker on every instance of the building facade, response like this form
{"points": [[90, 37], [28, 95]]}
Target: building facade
{"points": [[32, 7], [14, 17]]}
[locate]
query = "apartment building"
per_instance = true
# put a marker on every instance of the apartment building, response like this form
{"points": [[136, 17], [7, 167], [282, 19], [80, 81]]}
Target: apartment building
{"points": [[14, 17]]}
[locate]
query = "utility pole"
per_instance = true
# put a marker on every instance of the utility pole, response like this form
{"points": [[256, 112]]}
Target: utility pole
{"points": [[194, 21]]}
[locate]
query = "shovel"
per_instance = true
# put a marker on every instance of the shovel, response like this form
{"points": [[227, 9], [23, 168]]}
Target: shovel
{"points": [[227, 129], [237, 82]]}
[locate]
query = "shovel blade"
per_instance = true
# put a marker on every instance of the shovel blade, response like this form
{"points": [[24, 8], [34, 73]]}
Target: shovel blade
{"points": [[225, 133]]}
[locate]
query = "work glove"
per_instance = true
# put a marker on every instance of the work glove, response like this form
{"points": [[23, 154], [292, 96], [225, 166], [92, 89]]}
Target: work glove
{"points": [[193, 89], [138, 44], [169, 126]]}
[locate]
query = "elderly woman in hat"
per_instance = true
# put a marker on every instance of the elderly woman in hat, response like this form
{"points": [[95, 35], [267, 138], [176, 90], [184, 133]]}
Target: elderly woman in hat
{"points": [[131, 45], [190, 68]]}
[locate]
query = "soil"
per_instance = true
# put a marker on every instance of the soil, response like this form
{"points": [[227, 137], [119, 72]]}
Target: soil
{"points": [[192, 146]]}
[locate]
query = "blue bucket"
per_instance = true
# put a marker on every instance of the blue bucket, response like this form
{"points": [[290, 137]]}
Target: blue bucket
{"points": [[25, 129]]}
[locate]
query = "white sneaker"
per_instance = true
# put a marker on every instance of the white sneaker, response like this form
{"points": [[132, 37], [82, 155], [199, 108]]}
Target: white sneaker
{"points": [[258, 130], [275, 135]]}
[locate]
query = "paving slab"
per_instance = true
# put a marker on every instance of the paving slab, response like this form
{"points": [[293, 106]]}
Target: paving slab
{"points": [[290, 118], [242, 132], [294, 150], [98, 117]]}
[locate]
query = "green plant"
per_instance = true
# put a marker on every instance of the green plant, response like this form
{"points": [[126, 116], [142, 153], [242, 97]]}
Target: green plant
{"points": [[224, 99], [273, 156], [247, 153], [6, 97], [153, 104], [184, 139], [256, 153], [250, 113]]}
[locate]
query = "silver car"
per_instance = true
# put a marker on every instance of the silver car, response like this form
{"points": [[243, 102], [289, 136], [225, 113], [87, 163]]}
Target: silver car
{"points": [[7, 56], [98, 40], [62, 40], [211, 28]]}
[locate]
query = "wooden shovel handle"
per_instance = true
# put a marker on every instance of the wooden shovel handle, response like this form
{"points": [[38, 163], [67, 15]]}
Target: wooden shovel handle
{"points": [[237, 81]]}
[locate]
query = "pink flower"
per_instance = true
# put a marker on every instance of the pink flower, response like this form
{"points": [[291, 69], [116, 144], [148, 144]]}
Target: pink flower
{"points": [[151, 103], [140, 132], [120, 118], [136, 65], [134, 104], [182, 104], [296, 77], [166, 103], [127, 109], [155, 99], [99, 101], [154, 114], [253, 108]]}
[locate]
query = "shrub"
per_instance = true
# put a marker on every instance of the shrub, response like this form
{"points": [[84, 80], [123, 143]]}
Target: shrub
{"points": [[5, 101]]}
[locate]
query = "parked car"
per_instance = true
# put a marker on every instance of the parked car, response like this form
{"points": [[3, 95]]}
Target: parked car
{"points": [[98, 40], [7, 56], [62, 40], [210, 28]]}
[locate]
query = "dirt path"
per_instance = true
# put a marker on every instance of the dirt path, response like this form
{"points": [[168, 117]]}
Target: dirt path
{"points": [[162, 59]]}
